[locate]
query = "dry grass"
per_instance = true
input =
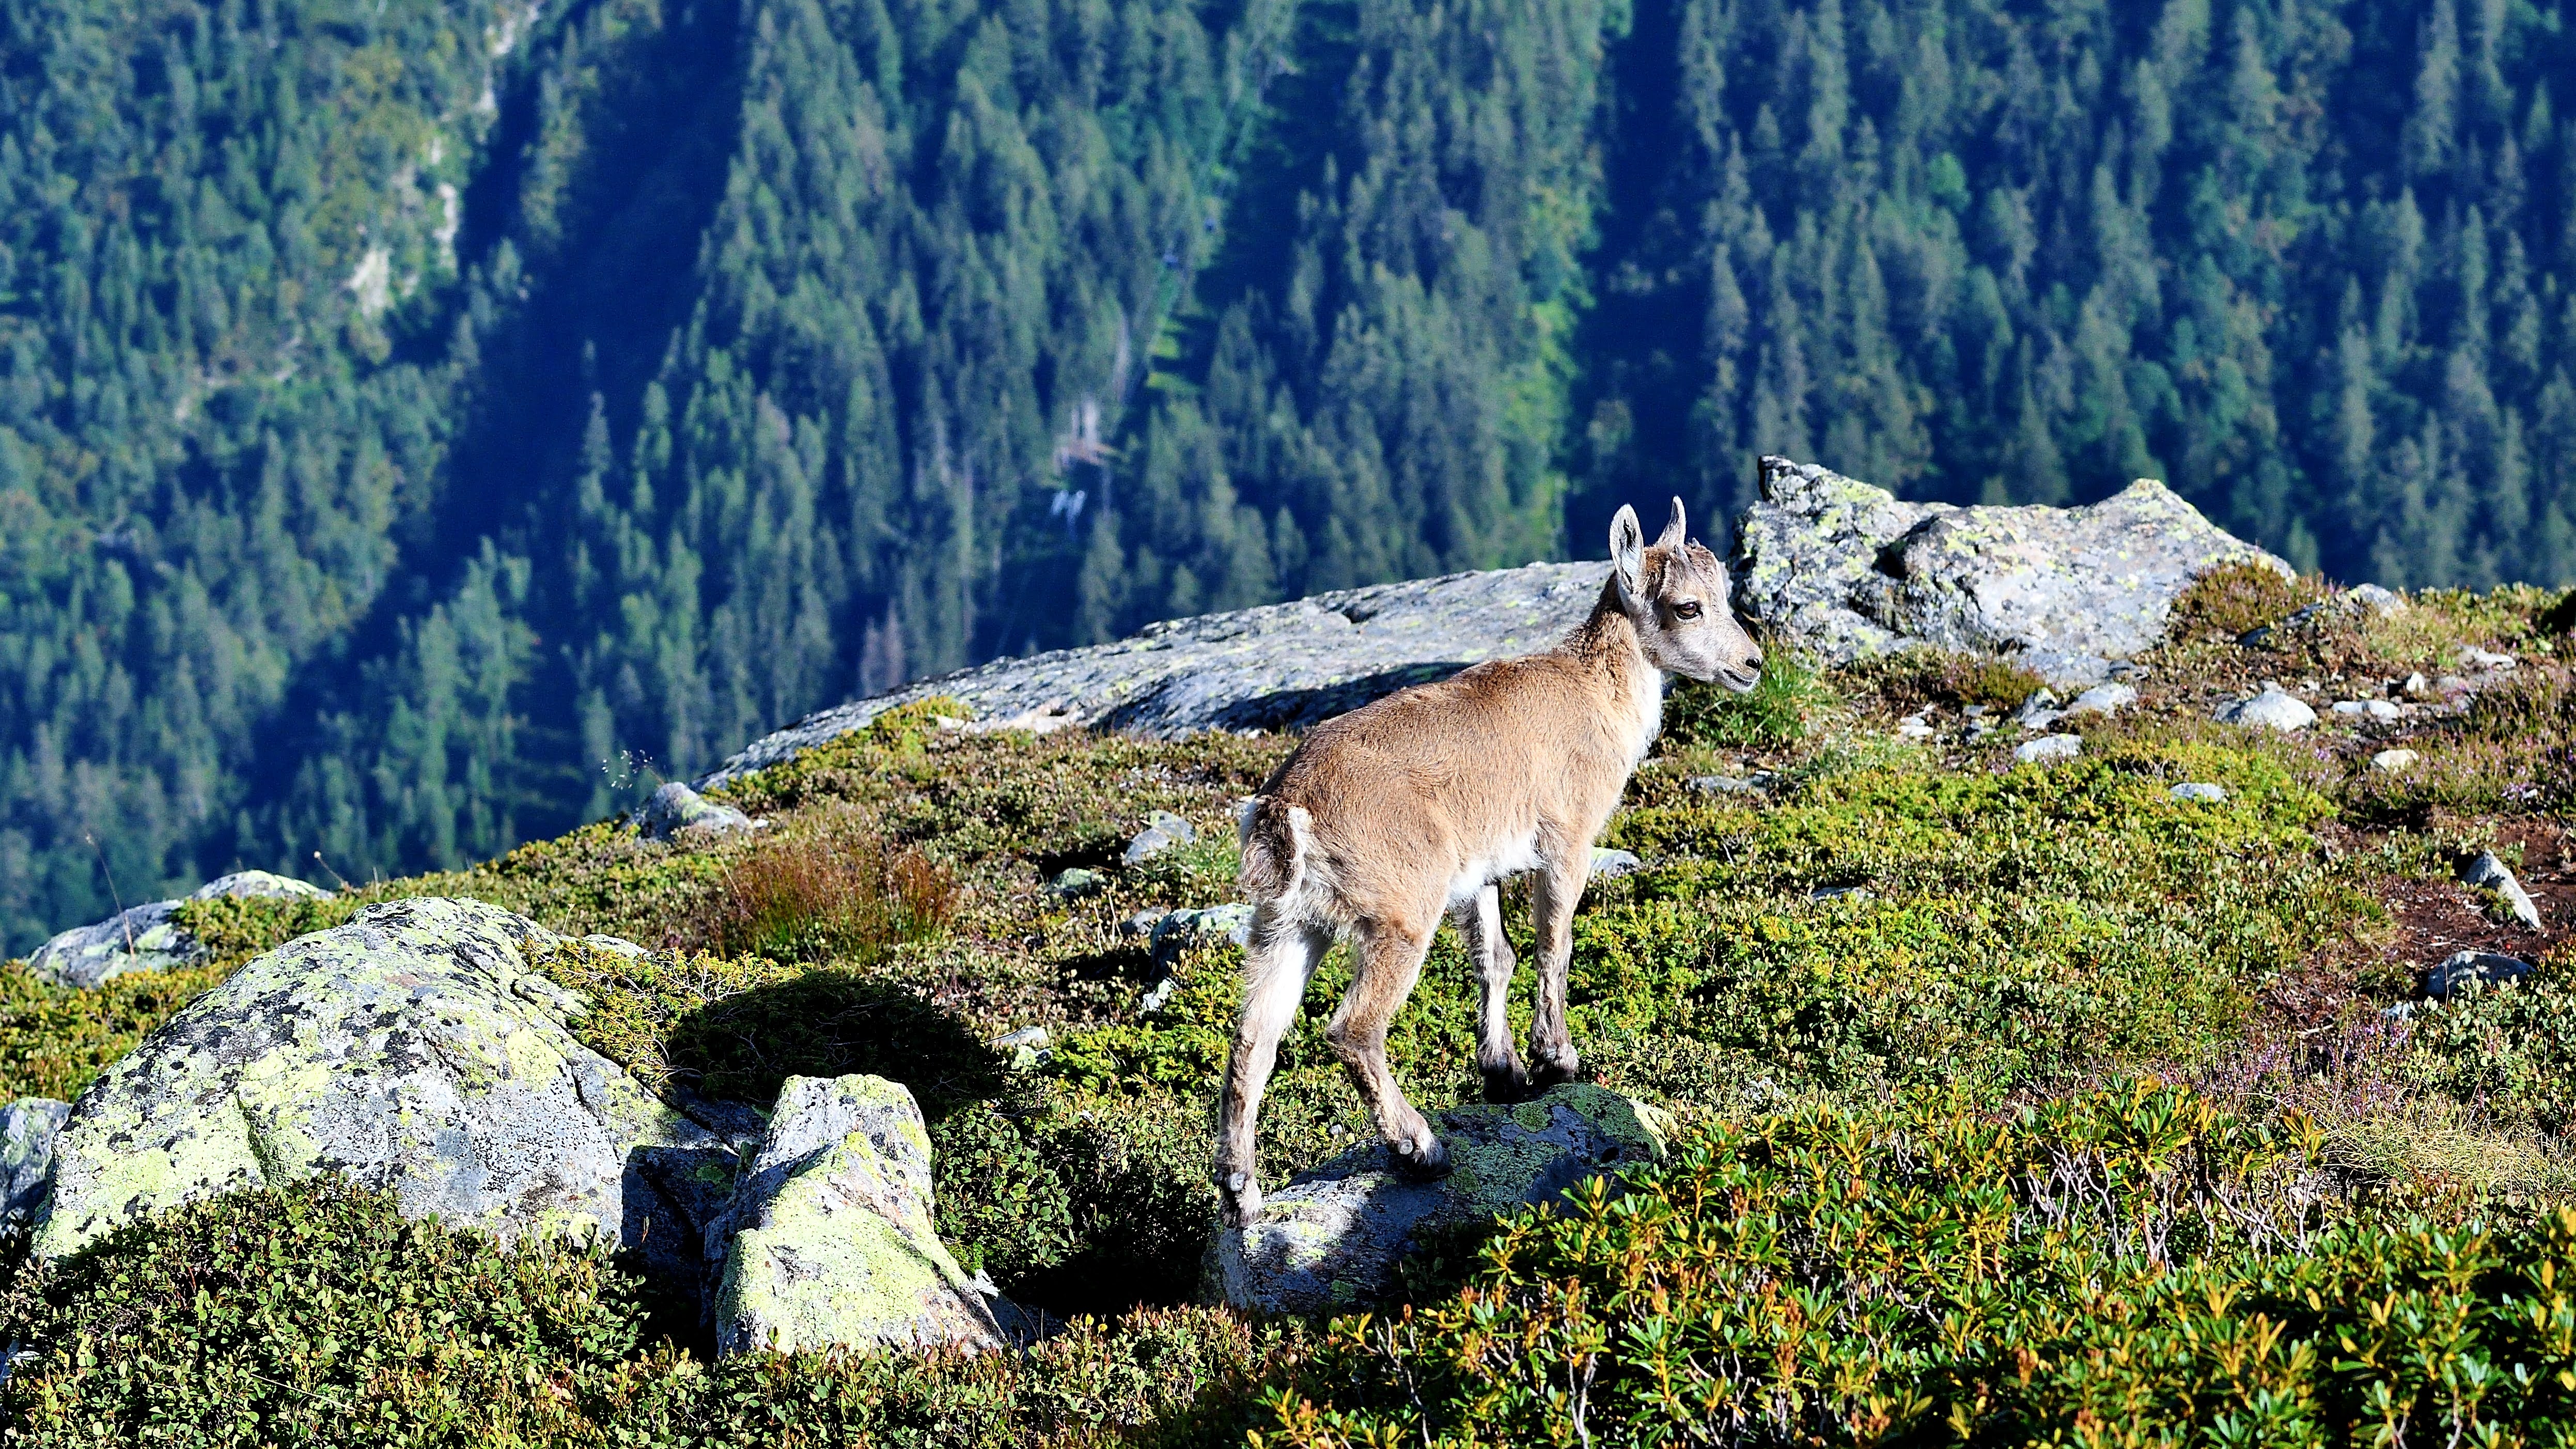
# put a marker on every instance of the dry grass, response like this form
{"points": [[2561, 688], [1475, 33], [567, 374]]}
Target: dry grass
{"points": [[829, 888]]}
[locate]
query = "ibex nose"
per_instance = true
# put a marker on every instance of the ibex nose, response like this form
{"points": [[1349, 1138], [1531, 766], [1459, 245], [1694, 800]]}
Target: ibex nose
{"points": [[1754, 663]]}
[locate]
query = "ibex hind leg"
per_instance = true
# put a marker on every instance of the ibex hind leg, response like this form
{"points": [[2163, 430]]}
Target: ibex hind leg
{"points": [[1388, 959], [1480, 925], [1276, 969], [1559, 890]]}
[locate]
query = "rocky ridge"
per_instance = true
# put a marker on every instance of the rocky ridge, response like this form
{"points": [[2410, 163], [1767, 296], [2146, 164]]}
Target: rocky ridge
{"points": [[1822, 562]]}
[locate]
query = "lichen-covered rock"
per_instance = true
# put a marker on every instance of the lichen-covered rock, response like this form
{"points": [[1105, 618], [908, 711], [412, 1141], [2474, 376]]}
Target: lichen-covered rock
{"points": [[830, 1243], [676, 811], [1849, 571], [144, 937], [1281, 666], [28, 1128], [2049, 749], [1332, 1238], [412, 1049]]}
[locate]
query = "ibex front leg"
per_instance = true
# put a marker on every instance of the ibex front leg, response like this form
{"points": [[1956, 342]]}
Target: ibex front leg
{"points": [[1276, 969], [1388, 959], [1480, 925], [1559, 890]]}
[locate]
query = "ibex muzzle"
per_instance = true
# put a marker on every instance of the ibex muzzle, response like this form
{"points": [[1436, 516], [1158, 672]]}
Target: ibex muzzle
{"points": [[1415, 806]]}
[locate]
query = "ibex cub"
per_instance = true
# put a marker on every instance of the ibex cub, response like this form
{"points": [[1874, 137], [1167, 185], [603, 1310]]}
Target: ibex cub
{"points": [[1414, 806]]}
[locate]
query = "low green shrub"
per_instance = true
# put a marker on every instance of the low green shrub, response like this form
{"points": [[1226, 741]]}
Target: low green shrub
{"points": [[54, 1039], [2227, 601], [1773, 715], [317, 1316], [1912, 678], [2133, 1267]]}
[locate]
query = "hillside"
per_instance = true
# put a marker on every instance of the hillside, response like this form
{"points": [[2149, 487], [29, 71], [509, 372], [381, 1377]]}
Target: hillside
{"points": [[423, 427], [2009, 1099]]}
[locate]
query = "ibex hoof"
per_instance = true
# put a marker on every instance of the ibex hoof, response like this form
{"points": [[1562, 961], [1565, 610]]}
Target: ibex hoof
{"points": [[1507, 1084], [1238, 1200], [1553, 1072], [1426, 1159]]}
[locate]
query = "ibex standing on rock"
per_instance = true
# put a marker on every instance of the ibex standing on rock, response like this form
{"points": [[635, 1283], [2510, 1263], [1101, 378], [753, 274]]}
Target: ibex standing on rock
{"points": [[1418, 804]]}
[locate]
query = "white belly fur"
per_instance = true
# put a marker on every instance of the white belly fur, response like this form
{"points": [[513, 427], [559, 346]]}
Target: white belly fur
{"points": [[1515, 857]]}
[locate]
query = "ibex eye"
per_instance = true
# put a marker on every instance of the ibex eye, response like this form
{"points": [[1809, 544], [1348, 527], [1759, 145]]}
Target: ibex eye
{"points": [[1686, 609]]}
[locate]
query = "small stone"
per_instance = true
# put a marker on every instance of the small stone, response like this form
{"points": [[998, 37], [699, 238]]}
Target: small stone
{"points": [[2371, 598], [2049, 748], [1974, 711], [1721, 785], [2486, 659], [1027, 1036], [2256, 637], [1612, 864], [1833, 893], [2394, 761], [678, 812], [1915, 727], [2041, 702], [1163, 831], [28, 1128], [1153, 1000], [2468, 967], [2416, 686], [1074, 882], [615, 946], [2042, 720], [2271, 709], [2200, 793], [2488, 873], [2103, 699]]}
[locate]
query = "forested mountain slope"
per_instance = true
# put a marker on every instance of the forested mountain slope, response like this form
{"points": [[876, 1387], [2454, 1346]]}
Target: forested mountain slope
{"points": [[417, 421]]}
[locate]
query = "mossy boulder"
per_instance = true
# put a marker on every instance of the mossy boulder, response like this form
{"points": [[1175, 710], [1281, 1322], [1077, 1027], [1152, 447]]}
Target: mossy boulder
{"points": [[830, 1242], [410, 1050], [1332, 1238], [145, 937]]}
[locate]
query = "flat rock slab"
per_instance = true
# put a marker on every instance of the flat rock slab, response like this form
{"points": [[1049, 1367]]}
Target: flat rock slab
{"points": [[1281, 666], [830, 1242], [412, 1049], [1332, 1238], [1850, 571]]}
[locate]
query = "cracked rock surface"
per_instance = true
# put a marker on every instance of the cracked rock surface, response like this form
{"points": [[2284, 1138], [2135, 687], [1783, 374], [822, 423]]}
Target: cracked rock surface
{"points": [[412, 1049], [1850, 571]]}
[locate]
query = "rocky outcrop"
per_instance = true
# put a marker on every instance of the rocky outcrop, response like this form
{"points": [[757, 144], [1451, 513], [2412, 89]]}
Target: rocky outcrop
{"points": [[1333, 1237], [829, 1242], [1848, 570], [144, 938], [1823, 562], [1283, 666], [412, 1049]]}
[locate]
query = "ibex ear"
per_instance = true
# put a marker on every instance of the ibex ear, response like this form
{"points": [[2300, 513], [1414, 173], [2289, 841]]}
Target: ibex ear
{"points": [[1677, 532], [1627, 555]]}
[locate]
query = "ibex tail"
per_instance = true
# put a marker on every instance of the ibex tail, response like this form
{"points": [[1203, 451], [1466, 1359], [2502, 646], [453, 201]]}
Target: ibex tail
{"points": [[1273, 838]]}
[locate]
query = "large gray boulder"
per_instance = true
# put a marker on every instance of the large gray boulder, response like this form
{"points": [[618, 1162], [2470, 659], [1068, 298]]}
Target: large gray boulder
{"points": [[145, 938], [1332, 1238], [1848, 571], [1282, 666], [829, 1242], [412, 1049]]}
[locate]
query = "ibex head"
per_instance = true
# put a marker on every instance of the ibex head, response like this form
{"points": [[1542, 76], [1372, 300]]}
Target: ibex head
{"points": [[1675, 592]]}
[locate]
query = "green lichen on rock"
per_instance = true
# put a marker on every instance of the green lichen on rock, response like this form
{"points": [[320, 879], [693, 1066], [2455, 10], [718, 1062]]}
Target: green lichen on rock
{"points": [[831, 1242], [412, 1050], [1334, 1237]]}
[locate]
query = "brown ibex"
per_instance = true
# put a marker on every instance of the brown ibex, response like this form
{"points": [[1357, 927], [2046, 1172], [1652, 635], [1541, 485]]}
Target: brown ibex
{"points": [[1418, 804]]}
